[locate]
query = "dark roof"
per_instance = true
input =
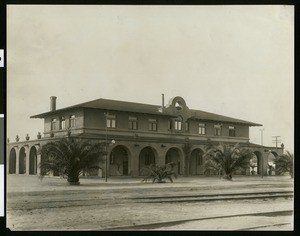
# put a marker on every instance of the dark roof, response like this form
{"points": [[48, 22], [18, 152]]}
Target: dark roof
{"points": [[112, 105], [207, 116]]}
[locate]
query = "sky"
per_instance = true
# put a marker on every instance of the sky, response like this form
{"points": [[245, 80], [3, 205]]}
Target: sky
{"points": [[236, 61]]}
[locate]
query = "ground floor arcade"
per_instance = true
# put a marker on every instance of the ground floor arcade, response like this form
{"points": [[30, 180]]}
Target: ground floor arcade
{"points": [[126, 158]]}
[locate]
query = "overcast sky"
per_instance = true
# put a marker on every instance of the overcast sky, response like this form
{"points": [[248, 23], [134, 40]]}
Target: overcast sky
{"points": [[236, 61]]}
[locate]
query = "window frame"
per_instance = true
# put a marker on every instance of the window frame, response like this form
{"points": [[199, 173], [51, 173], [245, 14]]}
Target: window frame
{"points": [[72, 121], [231, 131], [218, 128], [202, 128], [132, 123], [152, 124], [111, 121], [53, 124]]}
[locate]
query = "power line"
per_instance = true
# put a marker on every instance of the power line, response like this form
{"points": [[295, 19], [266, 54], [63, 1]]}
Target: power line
{"points": [[276, 140]]}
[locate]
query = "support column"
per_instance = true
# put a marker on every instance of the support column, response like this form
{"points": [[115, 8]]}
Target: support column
{"points": [[38, 169], [134, 163], [27, 160], [17, 160]]}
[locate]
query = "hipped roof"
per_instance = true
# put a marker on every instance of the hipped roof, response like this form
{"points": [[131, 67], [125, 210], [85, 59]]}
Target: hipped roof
{"points": [[113, 105]]}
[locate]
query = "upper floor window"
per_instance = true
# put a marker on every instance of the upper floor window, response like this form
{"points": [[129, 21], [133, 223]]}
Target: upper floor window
{"points": [[178, 125], [132, 123], [62, 122], [72, 121], [187, 126], [218, 130], [152, 125], [202, 128], [232, 131], [53, 124], [111, 121]]}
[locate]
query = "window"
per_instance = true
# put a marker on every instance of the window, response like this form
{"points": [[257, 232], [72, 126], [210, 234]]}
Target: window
{"points": [[62, 122], [217, 130], [72, 121], [202, 128], [132, 122], [111, 121], [178, 125], [231, 131], [53, 124], [187, 126], [152, 125], [170, 122]]}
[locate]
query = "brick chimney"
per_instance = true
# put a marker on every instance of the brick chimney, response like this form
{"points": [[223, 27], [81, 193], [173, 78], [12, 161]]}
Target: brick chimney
{"points": [[53, 103]]}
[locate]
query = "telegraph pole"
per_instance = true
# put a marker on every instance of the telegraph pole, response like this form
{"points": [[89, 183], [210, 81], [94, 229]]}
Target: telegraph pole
{"points": [[276, 140], [262, 136]]}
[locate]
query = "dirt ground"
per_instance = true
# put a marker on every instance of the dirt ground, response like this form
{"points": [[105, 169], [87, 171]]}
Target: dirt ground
{"points": [[52, 204]]}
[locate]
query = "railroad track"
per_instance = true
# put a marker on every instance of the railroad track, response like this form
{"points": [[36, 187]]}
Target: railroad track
{"points": [[158, 225], [151, 199], [217, 197]]}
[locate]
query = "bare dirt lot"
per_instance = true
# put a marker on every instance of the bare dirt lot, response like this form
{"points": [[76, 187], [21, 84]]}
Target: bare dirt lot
{"points": [[126, 203]]}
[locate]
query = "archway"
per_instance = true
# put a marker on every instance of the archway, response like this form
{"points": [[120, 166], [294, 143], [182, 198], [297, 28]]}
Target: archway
{"points": [[173, 155], [196, 162], [254, 165], [22, 161], [119, 161], [258, 161], [147, 157], [12, 161], [33, 161], [271, 163]]}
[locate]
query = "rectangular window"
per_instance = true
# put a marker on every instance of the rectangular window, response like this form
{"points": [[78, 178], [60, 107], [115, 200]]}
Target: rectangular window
{"points": [[178, 125], [152, 125], [202, 128], [111, 121], [231, 131], [62, 122], [132, 123], [53, 124], [72, 121], [187, 126], [217, 130]]}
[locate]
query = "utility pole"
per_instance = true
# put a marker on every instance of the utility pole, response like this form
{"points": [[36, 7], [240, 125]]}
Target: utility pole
{"points": [[276, 140], [262, 136]]}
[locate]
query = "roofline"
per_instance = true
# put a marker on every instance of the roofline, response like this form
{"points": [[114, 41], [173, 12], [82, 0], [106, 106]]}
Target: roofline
{"points": [[236, 122]]}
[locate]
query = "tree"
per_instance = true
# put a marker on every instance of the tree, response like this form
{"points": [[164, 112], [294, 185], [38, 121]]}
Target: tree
{"points": [[160, 172], [285, 163], [70, 157], [226, 159]]}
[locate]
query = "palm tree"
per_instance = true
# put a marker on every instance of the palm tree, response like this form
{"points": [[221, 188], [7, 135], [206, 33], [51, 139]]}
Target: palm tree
{"points": [[226, 159], [71, 157], [160, 172], [285, 163]]}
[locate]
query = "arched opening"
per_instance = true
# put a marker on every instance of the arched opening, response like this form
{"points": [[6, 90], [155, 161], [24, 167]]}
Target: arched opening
{"points": [[22, 161], [271, 163], [196, 162], [147, 157], [173, 155], [33, 161], [259, 163], [119, 161], [253, 165], [12, 161]]}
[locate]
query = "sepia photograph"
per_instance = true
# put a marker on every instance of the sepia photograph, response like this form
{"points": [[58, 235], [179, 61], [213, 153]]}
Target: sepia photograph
{"points": [[150, 117]]}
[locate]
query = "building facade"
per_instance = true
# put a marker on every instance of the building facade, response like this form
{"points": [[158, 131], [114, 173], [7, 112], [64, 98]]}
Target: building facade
{"points": [[139, 135]]}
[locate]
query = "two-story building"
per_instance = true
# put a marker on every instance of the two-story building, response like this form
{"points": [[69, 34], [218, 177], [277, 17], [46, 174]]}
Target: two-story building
{"points": [[139, 135]]}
